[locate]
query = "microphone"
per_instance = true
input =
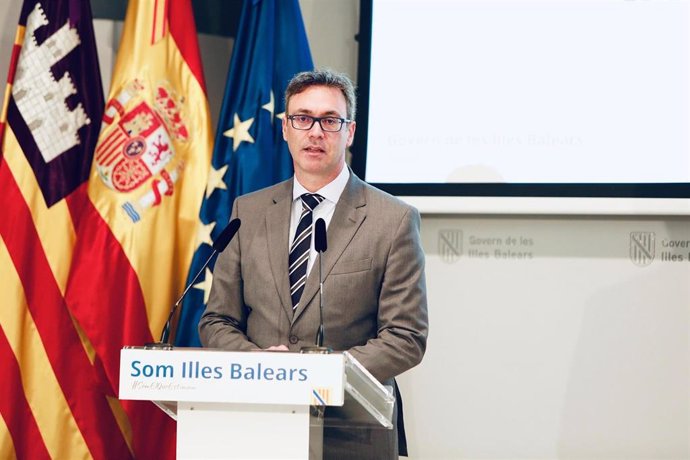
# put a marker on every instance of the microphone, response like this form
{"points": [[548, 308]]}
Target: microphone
{"points": [[320, 244], [320, 241], [218, 246]]}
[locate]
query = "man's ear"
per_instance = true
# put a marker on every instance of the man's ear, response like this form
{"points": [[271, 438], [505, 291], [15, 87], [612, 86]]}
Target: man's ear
{"points": [[284, 123], [351, 133]]}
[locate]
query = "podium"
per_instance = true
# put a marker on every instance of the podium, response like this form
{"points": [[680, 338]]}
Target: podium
{"points": [[254, 405]]}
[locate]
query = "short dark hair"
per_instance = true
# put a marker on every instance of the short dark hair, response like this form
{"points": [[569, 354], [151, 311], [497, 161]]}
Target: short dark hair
{"points": [[326, 77]]}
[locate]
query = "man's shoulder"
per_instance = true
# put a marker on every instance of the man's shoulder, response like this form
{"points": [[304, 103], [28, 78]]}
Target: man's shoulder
{"points": [[266, 195], [377, 198]]}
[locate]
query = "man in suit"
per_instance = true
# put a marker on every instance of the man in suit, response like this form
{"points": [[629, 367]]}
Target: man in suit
{"points": [[264, 292]]}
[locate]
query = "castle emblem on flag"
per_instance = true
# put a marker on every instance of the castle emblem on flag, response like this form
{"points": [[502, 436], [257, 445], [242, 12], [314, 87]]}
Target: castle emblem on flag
{"points": [[39, 97], [136, 144]]}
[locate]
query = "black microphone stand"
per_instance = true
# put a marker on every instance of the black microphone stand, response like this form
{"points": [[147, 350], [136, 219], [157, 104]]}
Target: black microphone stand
{"points": [[165, 334], [319, 335], [320, 244], [218, 246]]}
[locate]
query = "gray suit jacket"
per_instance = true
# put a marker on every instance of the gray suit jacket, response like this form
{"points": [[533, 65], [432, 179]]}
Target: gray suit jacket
{"points": [[374, 286]]}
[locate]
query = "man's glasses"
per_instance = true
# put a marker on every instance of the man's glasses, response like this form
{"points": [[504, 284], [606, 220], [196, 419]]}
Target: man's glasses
{"points": [[328, 124]]}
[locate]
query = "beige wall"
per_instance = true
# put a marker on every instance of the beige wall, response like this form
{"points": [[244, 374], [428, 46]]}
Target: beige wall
{"points": [[9, 12], [331, 27]]}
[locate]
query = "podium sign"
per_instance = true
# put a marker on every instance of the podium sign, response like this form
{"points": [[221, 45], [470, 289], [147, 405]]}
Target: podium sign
{"points": [[202, 375]]}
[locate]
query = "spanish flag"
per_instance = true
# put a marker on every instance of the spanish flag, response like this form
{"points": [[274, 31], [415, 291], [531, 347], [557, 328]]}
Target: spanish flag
{"points": [[53, 401], [136, 226]]}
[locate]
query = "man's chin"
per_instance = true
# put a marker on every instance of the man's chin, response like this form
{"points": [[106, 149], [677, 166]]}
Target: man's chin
{"points": [[318, 169], [314, 162], [318, 166]]}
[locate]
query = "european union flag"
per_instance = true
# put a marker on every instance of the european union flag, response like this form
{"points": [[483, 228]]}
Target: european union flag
{"points": [[249, 153]]}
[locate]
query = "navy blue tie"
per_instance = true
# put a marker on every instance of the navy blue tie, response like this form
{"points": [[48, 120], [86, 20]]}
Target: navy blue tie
{"points": [[299, 251]]}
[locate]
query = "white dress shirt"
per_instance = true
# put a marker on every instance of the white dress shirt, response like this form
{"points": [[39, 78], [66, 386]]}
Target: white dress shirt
{"points": [[331, 193]]}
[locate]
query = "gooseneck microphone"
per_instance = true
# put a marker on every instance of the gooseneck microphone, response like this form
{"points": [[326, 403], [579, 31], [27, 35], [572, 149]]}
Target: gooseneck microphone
{"points": [[320, 244], [218, 246]]}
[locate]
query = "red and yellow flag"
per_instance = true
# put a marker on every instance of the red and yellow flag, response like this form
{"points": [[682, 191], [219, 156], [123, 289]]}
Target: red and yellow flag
{"points": [[136, 225], [53, 400]]}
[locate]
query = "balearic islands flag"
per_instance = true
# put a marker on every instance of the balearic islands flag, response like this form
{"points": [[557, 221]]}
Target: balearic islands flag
{"points": [[53, 403], [250, 153], [139, 221]]}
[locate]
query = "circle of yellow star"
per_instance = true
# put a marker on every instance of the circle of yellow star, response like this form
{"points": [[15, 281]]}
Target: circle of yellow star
{"points": [[215, 180], [239, 132]]}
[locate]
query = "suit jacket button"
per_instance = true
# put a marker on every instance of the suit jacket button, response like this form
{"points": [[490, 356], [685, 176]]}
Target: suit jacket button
{"points": [[294, 339]]}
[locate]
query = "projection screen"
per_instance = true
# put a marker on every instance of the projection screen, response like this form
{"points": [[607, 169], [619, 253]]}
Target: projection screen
{"points": [[528, 99]]}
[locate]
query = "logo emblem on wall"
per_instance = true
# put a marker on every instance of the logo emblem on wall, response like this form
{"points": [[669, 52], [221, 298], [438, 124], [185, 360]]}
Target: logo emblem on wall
{"points": [[450, 245], [642, 248]]}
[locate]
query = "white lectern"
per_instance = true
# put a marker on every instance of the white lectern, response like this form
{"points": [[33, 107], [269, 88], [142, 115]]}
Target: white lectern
{"points": [[253, 405]]}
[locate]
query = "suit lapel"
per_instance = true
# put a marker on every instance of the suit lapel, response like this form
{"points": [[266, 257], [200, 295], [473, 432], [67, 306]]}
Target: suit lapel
{"points": [[277, 231], [350, 212]]}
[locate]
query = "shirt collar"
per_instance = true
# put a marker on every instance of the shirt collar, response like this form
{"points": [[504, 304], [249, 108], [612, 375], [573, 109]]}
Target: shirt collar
{"points": [[330, 191]]}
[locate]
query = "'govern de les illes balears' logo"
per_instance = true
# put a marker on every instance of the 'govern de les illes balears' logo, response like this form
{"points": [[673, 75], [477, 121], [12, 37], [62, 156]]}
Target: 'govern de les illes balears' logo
{"points": [[136, 144], [450, 245], [642, 248]]}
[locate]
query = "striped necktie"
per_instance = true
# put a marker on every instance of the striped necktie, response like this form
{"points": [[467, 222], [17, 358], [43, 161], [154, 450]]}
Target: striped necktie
{"points": [[299, 251]]}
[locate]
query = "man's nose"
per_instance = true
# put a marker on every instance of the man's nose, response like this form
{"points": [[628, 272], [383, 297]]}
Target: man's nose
{"points": [[316, 129]]}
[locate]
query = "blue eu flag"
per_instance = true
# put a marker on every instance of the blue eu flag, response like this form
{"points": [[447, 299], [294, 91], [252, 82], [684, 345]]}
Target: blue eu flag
{"points": [[249, 153]]}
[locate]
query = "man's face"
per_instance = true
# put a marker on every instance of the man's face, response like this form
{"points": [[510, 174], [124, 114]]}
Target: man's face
{"points": [[316, 153]]}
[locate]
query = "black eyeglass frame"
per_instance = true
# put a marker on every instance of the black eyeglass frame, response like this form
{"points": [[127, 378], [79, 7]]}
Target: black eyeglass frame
{"points": [[318, 119]]}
